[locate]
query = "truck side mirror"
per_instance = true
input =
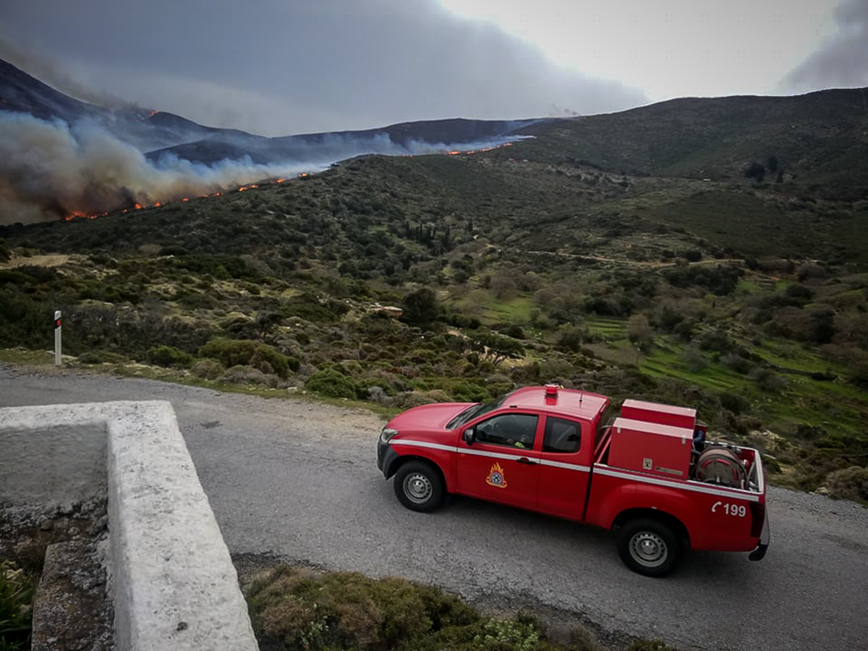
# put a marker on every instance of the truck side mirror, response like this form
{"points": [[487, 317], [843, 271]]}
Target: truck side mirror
{"points": [[469, 435]]}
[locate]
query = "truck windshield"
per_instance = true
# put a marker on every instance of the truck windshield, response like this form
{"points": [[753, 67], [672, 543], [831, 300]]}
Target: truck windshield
{"points": [[473, 411]]}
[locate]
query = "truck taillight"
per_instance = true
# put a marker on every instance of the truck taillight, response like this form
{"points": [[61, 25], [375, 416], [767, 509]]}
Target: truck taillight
{"points": [[758, 518]]}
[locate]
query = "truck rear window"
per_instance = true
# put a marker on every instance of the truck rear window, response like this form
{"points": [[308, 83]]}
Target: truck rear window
{"points": [[562, 435]]}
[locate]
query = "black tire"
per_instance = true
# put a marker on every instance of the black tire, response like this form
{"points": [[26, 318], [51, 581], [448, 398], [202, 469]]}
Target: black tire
{"points": [[649, 547], [419, 486]]}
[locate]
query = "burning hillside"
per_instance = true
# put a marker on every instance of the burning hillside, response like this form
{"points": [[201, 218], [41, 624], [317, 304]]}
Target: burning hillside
{"points": [[61, 158]]}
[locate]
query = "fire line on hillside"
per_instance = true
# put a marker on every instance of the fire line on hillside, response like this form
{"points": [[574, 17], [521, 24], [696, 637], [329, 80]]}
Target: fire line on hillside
{"points": [[76, 214]]}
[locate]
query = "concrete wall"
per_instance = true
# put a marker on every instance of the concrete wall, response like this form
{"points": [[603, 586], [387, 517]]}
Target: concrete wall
{"points": [[174, 585]]}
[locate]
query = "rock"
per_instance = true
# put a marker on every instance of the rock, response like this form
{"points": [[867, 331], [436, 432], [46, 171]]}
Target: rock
{"points": [[71, 611]]}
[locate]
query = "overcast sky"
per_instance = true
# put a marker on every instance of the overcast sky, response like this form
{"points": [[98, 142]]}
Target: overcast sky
{"points": [[278, 67]]}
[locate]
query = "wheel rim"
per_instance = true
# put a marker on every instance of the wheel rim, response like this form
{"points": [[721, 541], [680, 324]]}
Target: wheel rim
{"points": [[417, 487], [648, 549]]}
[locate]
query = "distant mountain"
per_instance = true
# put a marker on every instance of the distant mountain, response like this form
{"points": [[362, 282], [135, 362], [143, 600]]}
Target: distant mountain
{"points": [[159, 134]]}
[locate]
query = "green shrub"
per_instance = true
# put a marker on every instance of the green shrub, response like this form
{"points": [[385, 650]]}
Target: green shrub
{"points": [[169, 357], [342, 610], [207, 369], [11, 277], [5, 252], [249, 375], [244, 352], [331, 382], [16, 596], [849, 484], [735, 403]]}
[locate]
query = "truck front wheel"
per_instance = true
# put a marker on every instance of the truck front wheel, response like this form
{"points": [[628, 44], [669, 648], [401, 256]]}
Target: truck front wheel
{"points": [[419, 486], [649, 547]]}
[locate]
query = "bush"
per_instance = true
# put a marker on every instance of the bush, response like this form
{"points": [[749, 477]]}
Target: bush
{"points": [[331, 382], [849, 484], [420, 307], [5, 252], [207, 369], [755, 171], [300, 609], [243, 352], [249, 375], [767, 380], [16, 596], [169, 357], [735, 403]]}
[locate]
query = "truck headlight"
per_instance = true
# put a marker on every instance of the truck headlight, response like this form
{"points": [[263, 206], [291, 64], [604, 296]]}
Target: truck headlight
{"points": [[387, 434]]}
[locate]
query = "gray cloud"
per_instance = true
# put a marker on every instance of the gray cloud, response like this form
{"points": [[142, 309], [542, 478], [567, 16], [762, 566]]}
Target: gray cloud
{"points": [[278, 67], [843, 60]]}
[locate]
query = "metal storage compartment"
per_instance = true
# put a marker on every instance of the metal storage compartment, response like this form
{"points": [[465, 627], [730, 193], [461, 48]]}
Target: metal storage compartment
{"points": [[652, 412], [651, 447]]}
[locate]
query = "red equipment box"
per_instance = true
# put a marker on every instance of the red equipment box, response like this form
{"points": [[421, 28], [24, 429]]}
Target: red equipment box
{"points": [[652, 412], [651, 447]]}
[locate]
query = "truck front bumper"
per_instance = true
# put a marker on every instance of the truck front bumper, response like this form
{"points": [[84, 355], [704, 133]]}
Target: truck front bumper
{"points": [[386, 458], [765, 538]]}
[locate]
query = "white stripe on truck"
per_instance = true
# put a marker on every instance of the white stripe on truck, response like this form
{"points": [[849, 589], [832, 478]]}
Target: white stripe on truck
{"points": [[600, 469]]}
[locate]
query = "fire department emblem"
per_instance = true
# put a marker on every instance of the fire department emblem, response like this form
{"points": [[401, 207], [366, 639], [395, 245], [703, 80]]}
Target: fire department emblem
{"points": [[496, 477]]}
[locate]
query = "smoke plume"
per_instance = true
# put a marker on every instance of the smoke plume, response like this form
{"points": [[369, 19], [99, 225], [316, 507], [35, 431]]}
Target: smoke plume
{"points": [[843, 60], [50, 170]]}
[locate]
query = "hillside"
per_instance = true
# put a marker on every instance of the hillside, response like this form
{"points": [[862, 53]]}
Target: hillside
{"points": [[819, 137], [627, 254]]}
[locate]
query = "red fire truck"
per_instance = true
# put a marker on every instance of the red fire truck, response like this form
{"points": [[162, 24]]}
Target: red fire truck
{"points": [[649, 473]]}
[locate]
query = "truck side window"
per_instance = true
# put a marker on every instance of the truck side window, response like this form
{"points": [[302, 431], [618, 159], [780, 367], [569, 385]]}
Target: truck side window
{"points": [[512, 430], [562, 435]]}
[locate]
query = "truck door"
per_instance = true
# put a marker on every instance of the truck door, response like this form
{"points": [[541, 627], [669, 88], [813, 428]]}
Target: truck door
{"points": [[564, 472], [501, 464]]}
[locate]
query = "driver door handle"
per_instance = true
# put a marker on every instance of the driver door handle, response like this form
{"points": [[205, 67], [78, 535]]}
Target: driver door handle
{"points": [[526, 461]]}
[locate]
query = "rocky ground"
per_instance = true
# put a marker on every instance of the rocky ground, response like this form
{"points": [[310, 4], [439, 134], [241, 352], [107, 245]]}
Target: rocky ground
{"points": [[72, 609]]}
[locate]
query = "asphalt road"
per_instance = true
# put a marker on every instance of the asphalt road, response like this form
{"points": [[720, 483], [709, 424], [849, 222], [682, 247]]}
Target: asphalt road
{"points": [[299, 480]]}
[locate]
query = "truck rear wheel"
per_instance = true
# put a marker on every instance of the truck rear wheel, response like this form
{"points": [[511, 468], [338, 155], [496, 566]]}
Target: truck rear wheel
{"points": [[418, 486], [649, 547]]}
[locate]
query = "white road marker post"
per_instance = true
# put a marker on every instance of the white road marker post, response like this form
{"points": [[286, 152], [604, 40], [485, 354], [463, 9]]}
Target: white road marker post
{"points": [[57, 356]]}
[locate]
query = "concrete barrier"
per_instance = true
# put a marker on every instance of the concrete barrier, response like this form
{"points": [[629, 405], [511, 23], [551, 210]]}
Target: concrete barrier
{"points": [[173, 582]]}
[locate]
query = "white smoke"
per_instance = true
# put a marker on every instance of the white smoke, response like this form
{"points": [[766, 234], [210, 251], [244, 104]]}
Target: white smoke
{"points": [[49, 169]]}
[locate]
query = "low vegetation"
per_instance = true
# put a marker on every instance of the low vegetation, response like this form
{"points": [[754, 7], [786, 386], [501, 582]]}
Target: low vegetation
{"points": [[16, 597], [300, 608]]}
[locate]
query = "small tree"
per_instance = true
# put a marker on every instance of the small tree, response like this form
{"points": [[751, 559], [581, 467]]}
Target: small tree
{"points": [[639, 331], [421, 307], [756, 171]]}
